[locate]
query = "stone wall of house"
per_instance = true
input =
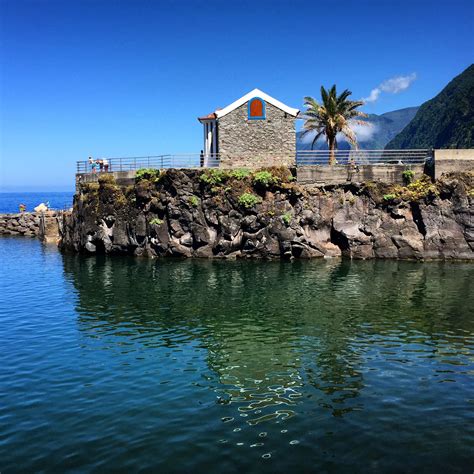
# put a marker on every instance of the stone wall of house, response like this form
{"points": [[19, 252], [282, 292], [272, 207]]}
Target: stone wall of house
{"points": [[256, 143]]}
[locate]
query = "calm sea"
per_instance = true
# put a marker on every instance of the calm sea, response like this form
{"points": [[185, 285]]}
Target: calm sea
{"points": [[169, 366], [9, 202]]}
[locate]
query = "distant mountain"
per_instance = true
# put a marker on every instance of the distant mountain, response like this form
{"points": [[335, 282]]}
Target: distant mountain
{"points": [[446, 121], [381, 130]]}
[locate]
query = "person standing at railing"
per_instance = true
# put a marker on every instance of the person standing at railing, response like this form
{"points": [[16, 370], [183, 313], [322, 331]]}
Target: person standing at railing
{"points": [[105, 164], [201, 159], [93, 164]]}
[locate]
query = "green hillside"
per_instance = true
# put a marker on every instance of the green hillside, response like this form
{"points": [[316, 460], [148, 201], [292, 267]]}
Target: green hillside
{"points": [[446, 121], [387, 126]]}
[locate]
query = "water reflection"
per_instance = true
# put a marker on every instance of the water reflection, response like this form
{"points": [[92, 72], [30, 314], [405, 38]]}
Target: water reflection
{"points": [[277, 333], [181, 366]]}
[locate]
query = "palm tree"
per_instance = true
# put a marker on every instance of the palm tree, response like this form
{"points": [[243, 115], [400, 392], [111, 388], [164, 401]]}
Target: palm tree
{"points": [[336, 114]]}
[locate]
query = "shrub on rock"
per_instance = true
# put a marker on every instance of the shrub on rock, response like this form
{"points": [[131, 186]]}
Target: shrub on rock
{"points": [[249, 200]]}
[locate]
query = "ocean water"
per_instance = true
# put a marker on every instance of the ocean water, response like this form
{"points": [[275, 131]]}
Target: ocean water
{"points": [[9, 202], [170, 366]]}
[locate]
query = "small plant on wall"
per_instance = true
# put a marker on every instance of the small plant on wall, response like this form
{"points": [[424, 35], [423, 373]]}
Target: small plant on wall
{"points": [[156, 221], [408, 177], [286, 218], [194, 201], [249, 200], [240, 174], [264, 178], [150, 174], [214, 177]]}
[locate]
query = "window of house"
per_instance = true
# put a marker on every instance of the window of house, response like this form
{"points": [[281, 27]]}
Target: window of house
{"points": [[256, 109]]}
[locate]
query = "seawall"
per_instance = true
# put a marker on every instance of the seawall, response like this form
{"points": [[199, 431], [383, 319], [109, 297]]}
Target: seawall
{"points": [[452, 160], [221, 214], [43, 225], [319, 175], [389, 169], [343, 174]]}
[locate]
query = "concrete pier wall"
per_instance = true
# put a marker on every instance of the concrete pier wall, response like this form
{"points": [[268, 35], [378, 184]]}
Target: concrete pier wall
{"points": [[122, 178], [450, 160], [338, 174]]}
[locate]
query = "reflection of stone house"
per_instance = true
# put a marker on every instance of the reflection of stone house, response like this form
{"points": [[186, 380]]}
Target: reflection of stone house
{"points": [[255, 130]]}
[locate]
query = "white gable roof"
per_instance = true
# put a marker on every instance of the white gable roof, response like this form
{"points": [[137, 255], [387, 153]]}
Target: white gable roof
{"points": [[256, 93]]}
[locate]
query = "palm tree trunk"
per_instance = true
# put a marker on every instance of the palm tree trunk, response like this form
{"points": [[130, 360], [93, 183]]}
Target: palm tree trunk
{"points": [[332, 150]]}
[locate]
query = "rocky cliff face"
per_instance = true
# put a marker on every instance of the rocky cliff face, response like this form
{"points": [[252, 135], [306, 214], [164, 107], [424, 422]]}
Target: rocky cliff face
{"points": [[221, 214]]}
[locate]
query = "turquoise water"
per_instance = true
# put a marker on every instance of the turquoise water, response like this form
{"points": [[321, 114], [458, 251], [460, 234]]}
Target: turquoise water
{"points": [[121, 364]]}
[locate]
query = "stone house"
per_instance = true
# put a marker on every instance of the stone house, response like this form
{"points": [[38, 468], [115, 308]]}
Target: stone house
{"points": [[255, 130]]}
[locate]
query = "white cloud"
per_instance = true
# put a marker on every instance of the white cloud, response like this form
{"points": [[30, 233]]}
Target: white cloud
{"points": [[364, 133], [393, 85]]}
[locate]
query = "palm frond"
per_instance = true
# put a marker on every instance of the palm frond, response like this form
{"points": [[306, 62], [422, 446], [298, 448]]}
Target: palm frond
{"points": [[350, 135], [343, 96], [324, 95]]}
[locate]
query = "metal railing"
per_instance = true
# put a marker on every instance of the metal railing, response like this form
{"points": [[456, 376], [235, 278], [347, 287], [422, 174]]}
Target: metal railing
{"points": [[300, 158], [190, 160], [362, 157]]}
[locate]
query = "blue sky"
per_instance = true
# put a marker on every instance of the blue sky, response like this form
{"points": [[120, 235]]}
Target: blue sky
{"points": [[117, 78]]}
